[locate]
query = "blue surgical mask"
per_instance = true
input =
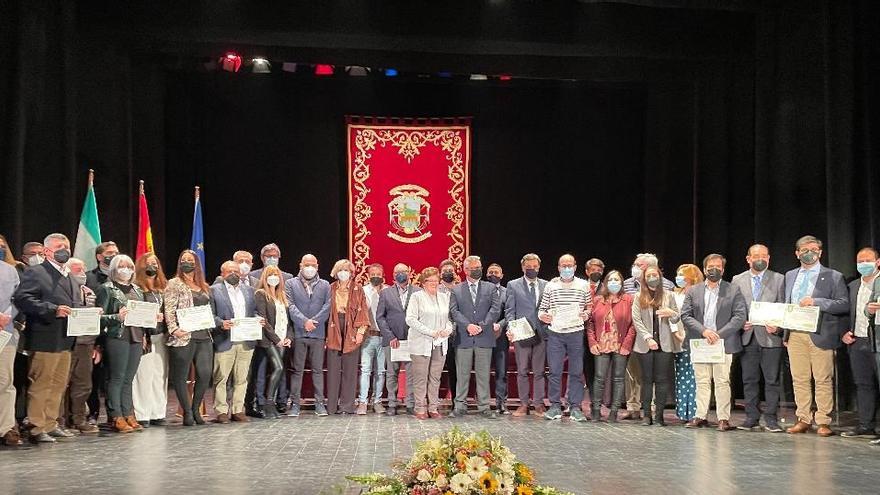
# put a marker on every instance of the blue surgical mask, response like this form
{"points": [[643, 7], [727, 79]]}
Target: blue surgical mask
{"points": [[614, 286], [680, 281], [865, 268], [566, 272], [2, 254], [401, 277], [271, 261]]}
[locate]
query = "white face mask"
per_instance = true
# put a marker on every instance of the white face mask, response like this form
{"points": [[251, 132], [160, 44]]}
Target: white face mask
{"points": [[343, 275], [636, 272], [124, 274], [309, 271], [273, 280], [35, 260], [245, 268], [79, 278]]}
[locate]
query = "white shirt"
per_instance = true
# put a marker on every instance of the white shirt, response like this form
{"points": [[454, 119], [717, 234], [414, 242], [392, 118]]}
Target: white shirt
{"points": [[280, 320], [62, 269], [860, 329], [425, 315], [236, 296]]}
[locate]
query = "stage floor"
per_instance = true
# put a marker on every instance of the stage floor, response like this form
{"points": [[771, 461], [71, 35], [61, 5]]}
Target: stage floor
{"points": [[311, 455]]}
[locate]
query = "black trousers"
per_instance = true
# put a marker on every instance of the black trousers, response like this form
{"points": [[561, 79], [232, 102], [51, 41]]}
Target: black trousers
{"points": [[451, 371], [123, 359], [20, 380], [656, 367], [500, 356], [342, 380], [617, 364], [314, 350], [864, 364], [755, 362], [99, 386], [199, 353], [274, 370]]}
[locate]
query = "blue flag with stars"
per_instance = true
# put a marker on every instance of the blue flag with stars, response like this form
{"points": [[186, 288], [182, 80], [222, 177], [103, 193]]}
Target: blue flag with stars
{"points": [[198, 234]]}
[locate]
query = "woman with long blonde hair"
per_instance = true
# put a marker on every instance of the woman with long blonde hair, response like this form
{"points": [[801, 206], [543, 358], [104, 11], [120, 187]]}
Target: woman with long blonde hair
{"points": [[271, 305]]}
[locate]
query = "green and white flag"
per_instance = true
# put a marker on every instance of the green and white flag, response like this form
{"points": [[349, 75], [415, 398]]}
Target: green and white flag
{"points": [[88, 236]]}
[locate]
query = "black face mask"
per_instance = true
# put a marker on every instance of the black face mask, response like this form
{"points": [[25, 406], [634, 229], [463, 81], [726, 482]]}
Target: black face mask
{"points": [[531, 273], [653, 283], [713, 274], [233, 279], [495, 279], [107, 260], [595, 277], [61, 256], [376, 281], [447, 277], [151, 271], [187, 267], [476, 273], [759, 265]]}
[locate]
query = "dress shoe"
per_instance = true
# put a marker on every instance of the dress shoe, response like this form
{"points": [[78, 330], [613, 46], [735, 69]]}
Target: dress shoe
{"points": [[612, 415], [434, 415], [158, 422], [521, 411], [120, 425], [488, 414], [87, 429], [391, 411], [421, 415], [42, 438], [188, 419], [12, 438], [241, 417], [144, 424], [378, 408], [824, 431], [860, 432], [361, 409], [696, 423], [724, 425], [539, 410], [799, 427], [223, 418], [261, 412], [133, 422]]}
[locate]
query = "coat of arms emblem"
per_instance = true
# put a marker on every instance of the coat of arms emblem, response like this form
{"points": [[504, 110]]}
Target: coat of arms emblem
{"points": [[408, 214]]}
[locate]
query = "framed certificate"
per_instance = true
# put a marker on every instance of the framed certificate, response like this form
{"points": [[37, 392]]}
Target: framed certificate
{"points": [[702, 352], [142, 314], [245, 329], [521, 329], [195, 318], [767, 313], [84, 321], [802, 318]]}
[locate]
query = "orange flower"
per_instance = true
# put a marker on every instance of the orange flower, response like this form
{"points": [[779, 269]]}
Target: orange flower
{"points": [[488, 483], [523, 490]]}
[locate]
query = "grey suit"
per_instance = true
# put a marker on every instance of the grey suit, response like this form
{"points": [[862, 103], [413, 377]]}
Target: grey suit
{"points": [[530, 354], [391, 320], [762, 351], [729, 319], [474, 351]]}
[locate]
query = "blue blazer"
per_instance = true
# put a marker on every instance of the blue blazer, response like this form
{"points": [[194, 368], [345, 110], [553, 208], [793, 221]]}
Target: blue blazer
{"points": [[730, 314], [485, 313], [391, 315], [518, 304], [304, 307], [221, 305], [831, 295]]}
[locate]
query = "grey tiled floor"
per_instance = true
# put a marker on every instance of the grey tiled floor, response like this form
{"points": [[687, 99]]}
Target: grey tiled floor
{"points": [[311, 455]]}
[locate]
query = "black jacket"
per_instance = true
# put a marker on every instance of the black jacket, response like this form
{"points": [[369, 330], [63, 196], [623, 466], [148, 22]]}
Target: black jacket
{"points": [[41, 291]]}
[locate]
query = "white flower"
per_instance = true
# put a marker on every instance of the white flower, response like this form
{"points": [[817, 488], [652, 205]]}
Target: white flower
{"points": [[506, 468], [424, 475], [475, 467], [505, 485], [460, 483], [441, 481]]}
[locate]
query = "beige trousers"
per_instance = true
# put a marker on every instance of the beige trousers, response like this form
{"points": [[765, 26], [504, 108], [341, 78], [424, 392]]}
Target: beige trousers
{"points": [[720, 373], [238, 362], [809, 363]]}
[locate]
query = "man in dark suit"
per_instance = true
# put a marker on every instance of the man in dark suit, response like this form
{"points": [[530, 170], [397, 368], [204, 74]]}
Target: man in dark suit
{"points": [[391, 320], [46, 296], [762, 345], [862, 342], [812, 353], [502, 344], [474, 308], [522, 298], [714, 310], [104, 254], [231, 300], [270, 255]]}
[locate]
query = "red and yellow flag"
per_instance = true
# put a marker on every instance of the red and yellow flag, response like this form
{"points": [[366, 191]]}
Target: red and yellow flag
{"points": [[145, 235]]}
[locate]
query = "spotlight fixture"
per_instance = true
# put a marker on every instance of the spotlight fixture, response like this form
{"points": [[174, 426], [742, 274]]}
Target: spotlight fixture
{"points": [[261, 66], [323, 70], [505, 77], [230, 62], [357, 70], [390, 72], [288, 66], [478, 77], [444, 74]]}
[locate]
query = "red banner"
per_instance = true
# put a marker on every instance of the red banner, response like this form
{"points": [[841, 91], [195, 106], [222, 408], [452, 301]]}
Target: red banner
{"points": [[408, 192]]}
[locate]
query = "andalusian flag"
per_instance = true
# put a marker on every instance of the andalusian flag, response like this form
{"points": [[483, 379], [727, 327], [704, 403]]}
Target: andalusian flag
{"points": [[88, 236], [145, 234]]}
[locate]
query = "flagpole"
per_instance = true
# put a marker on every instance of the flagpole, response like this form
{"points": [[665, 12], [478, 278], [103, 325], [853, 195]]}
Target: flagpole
{"points": [[91, 177], [141, 187], [197, 193]]}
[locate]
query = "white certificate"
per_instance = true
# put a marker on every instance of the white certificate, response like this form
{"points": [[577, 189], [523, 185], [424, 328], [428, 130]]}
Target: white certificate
{"points": [[767, 313], [704, 352], [5, 337], [244, 329], [566, 317], [521, 329], [142, 314], [195, 318], [805, 319], [84, 321], [402, 352]]}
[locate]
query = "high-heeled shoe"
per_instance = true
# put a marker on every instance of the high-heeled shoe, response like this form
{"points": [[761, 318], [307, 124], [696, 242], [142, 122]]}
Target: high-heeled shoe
{"points": [[197, 417], [188, 419]]}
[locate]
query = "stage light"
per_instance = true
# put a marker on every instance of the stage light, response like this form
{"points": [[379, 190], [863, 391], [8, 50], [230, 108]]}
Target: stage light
{"points": [[288, 67], [230, 62], [261, 66], [390, 72], [446, 75], [323, 70], [505, 77], [478, 77], [357, 70]]}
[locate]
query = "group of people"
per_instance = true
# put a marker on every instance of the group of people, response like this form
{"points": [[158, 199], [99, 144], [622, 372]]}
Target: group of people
{"points": [[582, 328]]}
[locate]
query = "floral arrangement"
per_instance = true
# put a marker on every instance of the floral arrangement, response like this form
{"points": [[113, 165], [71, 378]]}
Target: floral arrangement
{"points": [[456, 463]]}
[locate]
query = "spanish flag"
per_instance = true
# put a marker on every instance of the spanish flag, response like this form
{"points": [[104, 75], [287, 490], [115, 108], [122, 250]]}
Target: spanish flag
{"points": [[145, 235]]}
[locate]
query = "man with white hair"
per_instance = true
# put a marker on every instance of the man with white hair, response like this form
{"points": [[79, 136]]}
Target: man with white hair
{"points": [[271, 256]]}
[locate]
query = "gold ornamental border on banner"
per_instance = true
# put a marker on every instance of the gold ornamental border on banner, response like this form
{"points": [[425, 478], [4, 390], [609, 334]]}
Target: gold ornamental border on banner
{"points": [[408, 140]]}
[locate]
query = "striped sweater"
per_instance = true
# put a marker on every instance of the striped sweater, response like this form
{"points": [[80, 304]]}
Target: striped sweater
{"points": [[558, 294]]}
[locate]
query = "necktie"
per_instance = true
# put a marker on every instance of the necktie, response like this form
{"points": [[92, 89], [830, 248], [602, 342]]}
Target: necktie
{"points": [[532, 294], [802, 290], [474, 293], [756, 287]]}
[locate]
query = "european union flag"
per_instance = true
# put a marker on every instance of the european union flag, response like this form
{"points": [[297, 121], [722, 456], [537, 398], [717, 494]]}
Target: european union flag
{"points": [[198, 234]]}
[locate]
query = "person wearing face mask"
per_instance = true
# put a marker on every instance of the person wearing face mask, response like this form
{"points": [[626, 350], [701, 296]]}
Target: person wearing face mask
{"points": [[372, 351], [566, 338], [32, 254], [594, 269], [46, 295], [501, 352], [632, 286], [870, 310], [270, 256], [245, 262], [124, 344], [191, 347], [762, 345], [346, 330], [87, 351], [448, 280], [149, 389], [687, 276], [712, 311], [654, 315], [9, 281], [271, 306], [861, 339], [610, 337], [522, 298], [391, 319], [231, 300], [309, 310], [811, 354], [104, 254]]}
